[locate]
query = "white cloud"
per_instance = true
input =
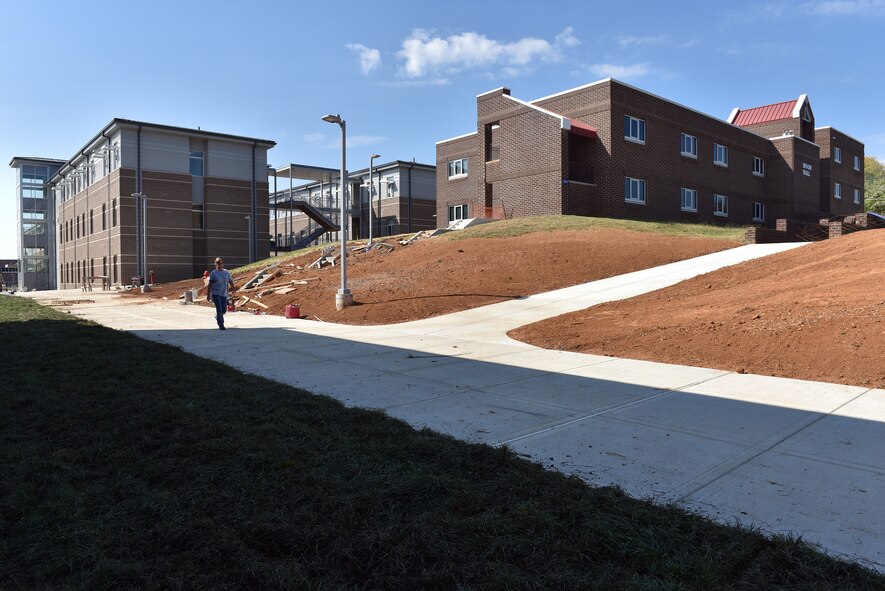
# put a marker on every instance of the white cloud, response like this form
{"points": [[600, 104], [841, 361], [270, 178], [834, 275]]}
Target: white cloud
{"points": [[426, 55], [566, 38], [655, 40], [313, 137], [616, 71], [414, 83], [356, 141], [812, 8], [628, 40], [369, 58], [844, 7]]}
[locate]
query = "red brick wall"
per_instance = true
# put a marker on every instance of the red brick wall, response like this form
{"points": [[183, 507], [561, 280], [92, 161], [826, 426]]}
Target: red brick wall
{"points": [[843, 173]]}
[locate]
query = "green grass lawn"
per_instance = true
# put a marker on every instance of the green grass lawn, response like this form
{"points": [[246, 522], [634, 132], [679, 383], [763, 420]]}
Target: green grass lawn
{"points": [[127, 464], [520, 226]]}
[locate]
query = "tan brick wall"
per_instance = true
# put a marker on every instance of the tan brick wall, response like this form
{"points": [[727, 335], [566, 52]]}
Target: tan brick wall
{"points": [[175, 250]]}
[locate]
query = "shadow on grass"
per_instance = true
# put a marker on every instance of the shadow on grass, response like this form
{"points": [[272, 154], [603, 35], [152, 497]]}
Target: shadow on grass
{"points": [[129, 464]]}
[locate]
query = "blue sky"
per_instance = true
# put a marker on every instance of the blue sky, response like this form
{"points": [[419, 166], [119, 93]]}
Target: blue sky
{"points": [[405, 74]]}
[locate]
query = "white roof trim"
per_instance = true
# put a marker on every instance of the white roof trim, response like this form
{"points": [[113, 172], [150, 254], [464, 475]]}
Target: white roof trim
{"points": [[549, 96], [457, 137], [493, 90], [564, 122], [786, 137], [842, 132], [681, 106], [797, 108], [733, 116]]}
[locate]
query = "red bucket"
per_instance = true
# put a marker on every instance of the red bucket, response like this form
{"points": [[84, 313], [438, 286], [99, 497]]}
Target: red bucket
{"points": [[293, 311], [230, 305]]}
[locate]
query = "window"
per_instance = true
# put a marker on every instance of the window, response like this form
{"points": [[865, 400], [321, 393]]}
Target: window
{"points": [[33, 214], [634, 129], [857, 163], [689, 145], [634, 190], [35, 265], [32, 229], [33, 192], [104, 216], [457, 212], [837, 155], [457, 168], [758, 212], [35, 252], [720, 205], [720, 155], [196, 163], [391, 188], [857, 196], [837, 191], [758, 166], [114, 213], [197, 219], [689, 200], [92, 221]]}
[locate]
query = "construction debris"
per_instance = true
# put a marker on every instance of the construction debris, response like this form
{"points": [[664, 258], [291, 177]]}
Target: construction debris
{"points": [[327, 258], [261, 277]]}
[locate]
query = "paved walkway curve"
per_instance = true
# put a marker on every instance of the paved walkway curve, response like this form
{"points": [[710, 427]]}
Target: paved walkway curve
{"points": [[786, 455]]}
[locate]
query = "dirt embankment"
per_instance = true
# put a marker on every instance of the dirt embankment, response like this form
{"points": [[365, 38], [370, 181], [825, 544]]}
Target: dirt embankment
{"points": [[813, 313], [437, 276]]}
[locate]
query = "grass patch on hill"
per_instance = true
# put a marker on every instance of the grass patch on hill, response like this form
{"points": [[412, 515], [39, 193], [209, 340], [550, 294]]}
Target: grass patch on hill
{"points": [[549, 223], [128, 464]]}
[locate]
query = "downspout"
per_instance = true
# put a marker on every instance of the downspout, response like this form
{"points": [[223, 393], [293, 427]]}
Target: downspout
{"points": [[107, 216], [411, 166], [253, 221], [86, 211], [139, 239]]}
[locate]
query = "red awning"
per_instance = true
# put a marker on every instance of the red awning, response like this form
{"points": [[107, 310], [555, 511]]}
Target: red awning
{"points": [[582, 129]]}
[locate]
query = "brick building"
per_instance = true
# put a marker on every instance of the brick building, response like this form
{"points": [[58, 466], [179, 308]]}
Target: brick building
{"points": [[609, 149], [205, 195]]}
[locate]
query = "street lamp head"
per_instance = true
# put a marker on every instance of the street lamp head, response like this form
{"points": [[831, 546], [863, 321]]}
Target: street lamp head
{"points": [[332, 119], [373, 156]]}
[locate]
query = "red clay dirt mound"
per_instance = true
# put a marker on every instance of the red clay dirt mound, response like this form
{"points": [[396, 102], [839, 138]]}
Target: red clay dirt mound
{"points": [[438, 276], [813, 313]]}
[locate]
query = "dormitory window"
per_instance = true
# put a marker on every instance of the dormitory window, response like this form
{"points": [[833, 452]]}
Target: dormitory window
{"points": [[689, 200], [758, 166], [457, 212], [837, 155], [634, 129], [689, 145], [720, 155], [857, 163], [197, 216], [720, 205], [196, 163], [857, 196], [634, 190], [758, 212], [457, 168], [837, 191]]}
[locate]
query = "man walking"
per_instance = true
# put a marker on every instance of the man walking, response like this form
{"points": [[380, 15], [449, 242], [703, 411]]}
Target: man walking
{"points": [[219, 280]]}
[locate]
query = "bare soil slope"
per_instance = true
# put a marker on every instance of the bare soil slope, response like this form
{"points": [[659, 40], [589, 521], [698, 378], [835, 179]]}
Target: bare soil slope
{"points": [[438, 276], [814, 313]]}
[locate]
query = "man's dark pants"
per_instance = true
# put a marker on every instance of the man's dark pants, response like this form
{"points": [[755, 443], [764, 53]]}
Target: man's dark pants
{"points": [[220, 308]]}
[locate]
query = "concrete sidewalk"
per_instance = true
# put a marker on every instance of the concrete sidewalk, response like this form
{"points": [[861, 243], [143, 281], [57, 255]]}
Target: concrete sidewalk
{"points": [[786, 455]]}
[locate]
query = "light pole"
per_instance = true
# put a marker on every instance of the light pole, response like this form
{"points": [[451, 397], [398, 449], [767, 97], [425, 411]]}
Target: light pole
{"points": [[343, 298], [371, 160]]}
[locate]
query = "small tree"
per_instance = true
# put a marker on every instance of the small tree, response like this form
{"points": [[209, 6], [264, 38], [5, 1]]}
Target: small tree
{"points": [[874, 184]]}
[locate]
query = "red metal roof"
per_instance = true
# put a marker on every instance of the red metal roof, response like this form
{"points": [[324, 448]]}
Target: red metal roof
{"points": [[583, 129], [765, 114]]}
